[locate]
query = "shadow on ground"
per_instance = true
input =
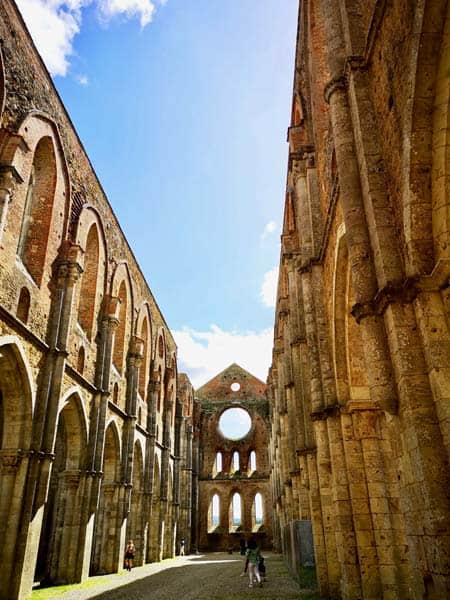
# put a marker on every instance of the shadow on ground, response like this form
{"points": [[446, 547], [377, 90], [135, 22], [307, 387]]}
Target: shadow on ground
{"points": [[210, 577]]}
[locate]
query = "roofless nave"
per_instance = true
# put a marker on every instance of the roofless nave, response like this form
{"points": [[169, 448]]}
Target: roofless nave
{"points": [[101, 438]]}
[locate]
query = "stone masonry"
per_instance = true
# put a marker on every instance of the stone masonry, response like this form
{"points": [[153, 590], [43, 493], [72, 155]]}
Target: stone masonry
{"points": [[225, 479], [360, 378], [95, 422]]}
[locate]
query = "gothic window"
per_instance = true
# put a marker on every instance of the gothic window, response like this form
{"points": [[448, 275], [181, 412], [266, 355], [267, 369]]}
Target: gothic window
{"points": [[37, 215], [119, 338], [144, 366], [236, 509], [218, 462], [252, 461], [235, 460], [23, 306], [161, 391], [214, 513], [88, 290], [257, 512]]}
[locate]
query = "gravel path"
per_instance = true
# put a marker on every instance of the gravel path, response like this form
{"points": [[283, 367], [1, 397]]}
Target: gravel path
{"points": [[197, 577]]}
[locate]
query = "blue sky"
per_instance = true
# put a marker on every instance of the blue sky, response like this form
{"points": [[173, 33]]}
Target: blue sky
{"points": [[183, 107]]}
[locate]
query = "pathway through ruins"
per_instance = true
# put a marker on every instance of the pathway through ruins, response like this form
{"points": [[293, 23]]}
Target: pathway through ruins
{"points": [[196, 577]]}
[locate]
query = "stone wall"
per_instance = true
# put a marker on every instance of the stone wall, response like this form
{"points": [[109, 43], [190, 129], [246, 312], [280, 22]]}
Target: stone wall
{"points": [[222, 477], [95, 440], [360, 378]]}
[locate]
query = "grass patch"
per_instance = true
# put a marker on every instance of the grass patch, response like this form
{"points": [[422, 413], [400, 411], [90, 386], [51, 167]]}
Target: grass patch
{"points": [[54, 591], [307, 578]]}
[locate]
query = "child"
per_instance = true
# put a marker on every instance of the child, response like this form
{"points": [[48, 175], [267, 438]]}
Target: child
{"points": [[253, 555], [262, 567]]}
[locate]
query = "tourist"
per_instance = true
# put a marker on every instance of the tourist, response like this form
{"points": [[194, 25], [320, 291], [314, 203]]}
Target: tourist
{"points": [[130, 552], [182, 546], [253, 557], [262, 567]]}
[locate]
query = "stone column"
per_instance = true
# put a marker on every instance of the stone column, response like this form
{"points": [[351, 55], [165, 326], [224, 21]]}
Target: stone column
{"points": [[153, 394], [67, 271]]}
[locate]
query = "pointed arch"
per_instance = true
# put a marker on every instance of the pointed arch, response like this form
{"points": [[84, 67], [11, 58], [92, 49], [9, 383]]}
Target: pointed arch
{"points": [[426, 224], [440, 173], [41, 195], [257, 512], [340, 309], [236, 461], [89, 281], [144, 332], [17, 394], [235, 511], [122, 289], [61, 528], [252, 461], [213, 513], [16, 415], [111, 454], [38, 209], [218, 463]]}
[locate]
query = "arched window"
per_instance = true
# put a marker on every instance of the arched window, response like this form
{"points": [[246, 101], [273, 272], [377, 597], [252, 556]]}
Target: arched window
{"points": [[161, 389], [116, 393], [214, 513], [37, 215], [144, 366], [257, 512], [235, 460], [88, 290], [23, 306], [252, 461], [80, 361], [119, 338], [218, 462], [236, 516]]}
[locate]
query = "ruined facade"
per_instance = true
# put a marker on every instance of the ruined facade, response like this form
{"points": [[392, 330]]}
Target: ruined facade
{"points": [[95, 428], [234, 500], [360, 379]]}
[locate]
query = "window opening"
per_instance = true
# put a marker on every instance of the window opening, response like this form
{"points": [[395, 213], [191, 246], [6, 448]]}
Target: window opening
{"points": [[252, 461]]}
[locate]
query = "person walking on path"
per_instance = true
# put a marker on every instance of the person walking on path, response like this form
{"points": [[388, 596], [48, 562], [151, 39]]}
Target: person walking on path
{"points": [[253, 559], [182, 546], [130, 552]]}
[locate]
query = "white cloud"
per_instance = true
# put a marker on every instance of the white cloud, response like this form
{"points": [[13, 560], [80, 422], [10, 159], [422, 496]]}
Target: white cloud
{"points": [[269, 286], [53, 24], [204, 354], [82, 79], [269, 228], [130, 8]]}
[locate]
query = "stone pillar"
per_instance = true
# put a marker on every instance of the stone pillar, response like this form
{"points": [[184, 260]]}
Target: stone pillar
{"points": [[67, 271], [153, 394]]}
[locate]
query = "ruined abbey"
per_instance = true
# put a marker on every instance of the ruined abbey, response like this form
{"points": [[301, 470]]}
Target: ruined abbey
{"points": [[345, 463], [360, 379]]}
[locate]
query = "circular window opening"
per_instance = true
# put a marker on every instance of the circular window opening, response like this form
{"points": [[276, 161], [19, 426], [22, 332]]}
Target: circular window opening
{"points": [[235, 387], [235, 423]]}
